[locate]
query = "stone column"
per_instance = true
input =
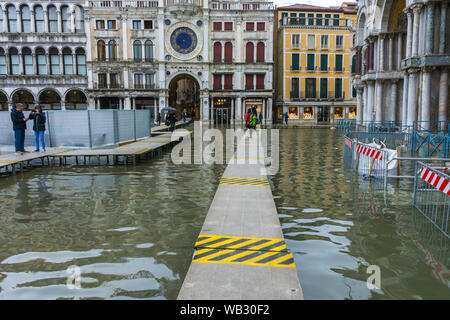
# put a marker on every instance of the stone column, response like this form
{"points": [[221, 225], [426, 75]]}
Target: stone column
{"points": [[58, 13], [238, 110], [120, 104], [46, 20], [134, 103], [370, 96], [35, 64], [416, 29], [359, 112], [32, 21], [97, 103], [409, 33], [405, 100], [393, 104], [381, 53], [364, 103], [371, 47], [269, 110], [74, 63], [429, 41], [426, 96], [63, 105], [412, 96], [399, 50], [232, 111], [127, 103], [379, 100], [49, 67], [391, 52], [18, 22], [61, 63], [442, 27], [5, 21], [443, 95]]}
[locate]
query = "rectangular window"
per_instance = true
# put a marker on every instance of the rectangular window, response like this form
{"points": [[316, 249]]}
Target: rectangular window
{"points": [[323, 62], [149, 80], [54, 64], [295, 41], [295, 87], [335, 20], [324, 41], [228, 82], [137, 24], [249, 81], [217, 82], [81, 64], [260, 81], [318, 19], [326, 21], [295, 62], [102, 80], [28, 60], [261, 26], [15, 63], [250, 26], [311, 45], [100, 24], [113, 80], [148, 24], [42, 64], [339, 42], [323, 88], [2, 65], [138, 80], [310, 62], [111, 24], [68, 64], [338, 63], [301, 19], [217, 26], [228, 26], [310, 89], [338, 88], [310, 19]]}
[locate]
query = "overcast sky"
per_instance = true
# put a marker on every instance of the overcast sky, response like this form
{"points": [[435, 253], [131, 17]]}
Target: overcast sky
{"points": [[324, 3]]}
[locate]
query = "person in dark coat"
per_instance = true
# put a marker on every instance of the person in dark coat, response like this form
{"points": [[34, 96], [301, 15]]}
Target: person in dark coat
{"points": [[172, 120], [158, 118], [39, 120], [19, 126]]}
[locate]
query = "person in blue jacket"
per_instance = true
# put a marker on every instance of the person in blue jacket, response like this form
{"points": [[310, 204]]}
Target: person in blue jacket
{"points": [[39, 119], [19, 126]]}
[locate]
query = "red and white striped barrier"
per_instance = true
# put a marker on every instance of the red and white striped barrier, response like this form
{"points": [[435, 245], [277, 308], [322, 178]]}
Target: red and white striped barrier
{"points": [[435, 180], [370, 152]]}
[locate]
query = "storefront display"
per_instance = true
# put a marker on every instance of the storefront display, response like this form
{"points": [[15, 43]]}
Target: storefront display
{"points": [[308, 113], [352, 113], [293, 113], [338, 112]]}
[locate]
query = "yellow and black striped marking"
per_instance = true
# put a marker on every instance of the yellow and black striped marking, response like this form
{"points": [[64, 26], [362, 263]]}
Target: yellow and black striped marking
{"points": [[243, 250], [245, 182]]}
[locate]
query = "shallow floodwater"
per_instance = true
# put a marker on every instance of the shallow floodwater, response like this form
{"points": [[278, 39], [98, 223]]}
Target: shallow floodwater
{"points": [[131, 230], [337, 224]]}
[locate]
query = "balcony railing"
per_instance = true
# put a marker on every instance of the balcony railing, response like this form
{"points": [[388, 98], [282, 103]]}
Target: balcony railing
{"points": [[238, 5], [144, 86], [305, 21], [107, 85], [317, 95], [123, 3]]}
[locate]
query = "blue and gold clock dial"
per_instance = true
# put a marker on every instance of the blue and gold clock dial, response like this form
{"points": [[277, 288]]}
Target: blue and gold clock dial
{"points": [[183, 40]]}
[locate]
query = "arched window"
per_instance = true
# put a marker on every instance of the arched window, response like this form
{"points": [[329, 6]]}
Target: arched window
{"points": [[137, 50], [12, 18], [101, 52], [148, 51], [81, 61], [79, 19], [52, 19], [14, 61], [26, 18], [39, 19], [228, 52], [3, 69], [27, 61], [112, 50], [67, 61], [54, 61], [65, 19], [260, 52], [41, 60], [217, 52], [249, 52]]}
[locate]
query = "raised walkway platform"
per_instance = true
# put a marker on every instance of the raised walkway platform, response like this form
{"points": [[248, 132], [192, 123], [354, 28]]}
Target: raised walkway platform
{"points": [[240, 252]]}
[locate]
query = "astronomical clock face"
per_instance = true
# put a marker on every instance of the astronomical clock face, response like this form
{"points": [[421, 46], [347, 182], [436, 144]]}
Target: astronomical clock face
{"points": [[183, 41]]}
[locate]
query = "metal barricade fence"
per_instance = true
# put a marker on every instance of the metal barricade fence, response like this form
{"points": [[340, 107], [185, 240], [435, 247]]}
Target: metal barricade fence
{"points": [[432, 194]]}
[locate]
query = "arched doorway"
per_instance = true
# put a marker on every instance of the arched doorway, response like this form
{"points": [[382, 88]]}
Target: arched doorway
{"points": [[23, 96], [3, 101], [76, 100], [184, 93], [50, 99]]}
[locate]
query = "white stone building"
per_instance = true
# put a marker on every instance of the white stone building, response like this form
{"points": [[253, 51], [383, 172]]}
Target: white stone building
{"points": [[212, 58], [43, 54], [403, 59]]}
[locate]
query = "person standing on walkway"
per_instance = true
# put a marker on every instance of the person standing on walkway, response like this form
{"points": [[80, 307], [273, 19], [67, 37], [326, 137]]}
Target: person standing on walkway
{"points": [[172, 120], [158, 118], [286, 117], [39, 120], [19, 126], [247, 117], [184, 115], [261, 119]]}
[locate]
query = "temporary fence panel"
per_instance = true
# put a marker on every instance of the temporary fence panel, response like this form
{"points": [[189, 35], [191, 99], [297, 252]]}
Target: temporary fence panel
{"points": [[126, 125], [430, 144], [143, 123], [432, 195], [348, 152], [68, 128], [7, 132], [102, 127], [391, 139]]}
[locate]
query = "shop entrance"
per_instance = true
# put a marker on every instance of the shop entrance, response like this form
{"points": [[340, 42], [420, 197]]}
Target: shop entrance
{"points": [[222, 116], [184, 95], [323, 114]]}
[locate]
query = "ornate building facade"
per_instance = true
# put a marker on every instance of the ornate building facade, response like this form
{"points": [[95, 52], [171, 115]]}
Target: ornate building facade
{"points": [[43, 54], [212, 58], [403, 59], [314, 66]]}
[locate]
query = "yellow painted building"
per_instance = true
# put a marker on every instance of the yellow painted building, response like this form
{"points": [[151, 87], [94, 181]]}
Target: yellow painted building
{"points": [[314, 62]]}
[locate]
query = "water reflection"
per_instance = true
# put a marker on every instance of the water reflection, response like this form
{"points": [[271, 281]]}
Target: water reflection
{"points": [[338, 224]]}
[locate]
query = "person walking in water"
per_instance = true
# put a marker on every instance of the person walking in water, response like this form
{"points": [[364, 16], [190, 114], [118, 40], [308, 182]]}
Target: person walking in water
{"points": [[19, 126], [39, 120], [247, 117]]}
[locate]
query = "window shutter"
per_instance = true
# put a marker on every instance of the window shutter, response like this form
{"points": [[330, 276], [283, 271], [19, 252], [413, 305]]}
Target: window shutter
{"points": [[260, 81], [295, 61], [217, 52], [261, 26], [323, 62], [228, 52], [250, 26], [250, 52], [228, 81], [217, 26], [217, 82], [228, 26], [260, 52], [249, 81], [338, 66], [310, 61]]}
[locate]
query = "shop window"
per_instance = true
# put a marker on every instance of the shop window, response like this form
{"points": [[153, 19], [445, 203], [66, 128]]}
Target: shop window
{"points": [[308, 113], [352, 113], [338, 112], [293, 113]]}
